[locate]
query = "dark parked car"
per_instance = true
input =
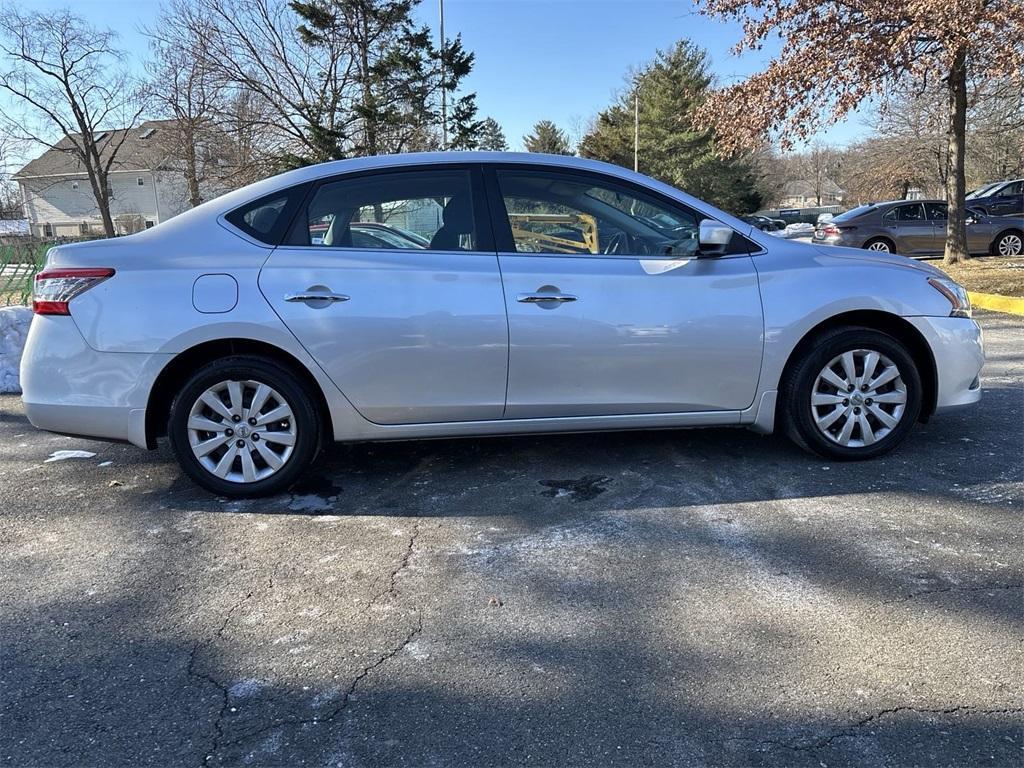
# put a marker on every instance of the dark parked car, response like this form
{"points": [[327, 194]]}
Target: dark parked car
{"points": [[918, 228], [1004, 198], [764, 223]]}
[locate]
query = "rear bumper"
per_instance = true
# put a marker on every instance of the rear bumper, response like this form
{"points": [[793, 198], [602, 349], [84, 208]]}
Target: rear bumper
{"points": [[69, 387], [959, 353]]}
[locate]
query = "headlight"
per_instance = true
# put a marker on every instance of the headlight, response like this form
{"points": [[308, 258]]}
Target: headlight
{"points": [[956, 294]]}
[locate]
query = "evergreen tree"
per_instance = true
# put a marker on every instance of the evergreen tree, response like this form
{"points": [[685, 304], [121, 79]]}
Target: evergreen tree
{"points": [[671, 148], [492, 138], [547, 138], [393, 75]]}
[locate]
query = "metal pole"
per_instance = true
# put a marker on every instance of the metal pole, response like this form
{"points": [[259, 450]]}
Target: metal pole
{"points": [[636, 130], [444, 91]]}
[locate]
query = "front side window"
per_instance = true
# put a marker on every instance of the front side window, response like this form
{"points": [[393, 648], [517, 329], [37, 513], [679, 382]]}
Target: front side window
{"points": [[1015, 188], [936, 211], [405, 210], [576, 214]]}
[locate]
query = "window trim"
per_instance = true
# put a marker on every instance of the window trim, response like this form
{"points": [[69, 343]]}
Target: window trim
{"points": [[481, 220], [740, 245]]}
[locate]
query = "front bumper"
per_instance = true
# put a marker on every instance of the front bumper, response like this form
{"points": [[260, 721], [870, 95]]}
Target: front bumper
{"points": [[69, 387], [959, 352]]}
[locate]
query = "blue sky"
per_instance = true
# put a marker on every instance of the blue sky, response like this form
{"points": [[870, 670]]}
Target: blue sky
{"points": [[561, 60]]}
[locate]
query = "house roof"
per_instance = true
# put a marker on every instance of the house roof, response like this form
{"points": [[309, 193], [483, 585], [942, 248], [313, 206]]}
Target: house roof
{"points": [[804, 188], [135, 154]]}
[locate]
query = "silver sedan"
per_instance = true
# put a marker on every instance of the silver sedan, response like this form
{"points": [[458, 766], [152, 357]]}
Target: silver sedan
{"points": [[500, 294]]}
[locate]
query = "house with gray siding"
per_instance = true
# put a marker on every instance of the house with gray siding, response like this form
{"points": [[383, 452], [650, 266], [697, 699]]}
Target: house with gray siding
{"points": [[145, 184]]}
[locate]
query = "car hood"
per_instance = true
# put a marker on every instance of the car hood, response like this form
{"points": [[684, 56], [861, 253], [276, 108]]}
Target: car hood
{"points": [[880, 257]]}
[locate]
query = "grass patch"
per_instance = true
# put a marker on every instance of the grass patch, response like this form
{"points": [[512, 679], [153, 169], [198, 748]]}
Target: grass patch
{"points": [[989, 274]]}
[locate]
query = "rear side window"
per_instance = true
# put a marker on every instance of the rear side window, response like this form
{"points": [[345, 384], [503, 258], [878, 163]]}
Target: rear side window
{"points": [[914, 212], [267, 218], [431, 209]]}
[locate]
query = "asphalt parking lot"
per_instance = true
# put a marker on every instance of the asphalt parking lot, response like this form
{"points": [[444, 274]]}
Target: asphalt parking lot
{"points": [[707, 597]]}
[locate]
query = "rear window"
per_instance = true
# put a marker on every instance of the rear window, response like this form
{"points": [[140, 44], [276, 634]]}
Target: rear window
{"points": [[267, 218], [853, 213]]}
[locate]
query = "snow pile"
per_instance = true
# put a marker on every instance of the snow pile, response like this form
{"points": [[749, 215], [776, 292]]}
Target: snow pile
{"points": [[65, 455], [14, 322]]}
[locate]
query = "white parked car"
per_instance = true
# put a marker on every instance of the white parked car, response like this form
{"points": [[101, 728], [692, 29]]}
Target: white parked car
{"points": [[486, 294]]}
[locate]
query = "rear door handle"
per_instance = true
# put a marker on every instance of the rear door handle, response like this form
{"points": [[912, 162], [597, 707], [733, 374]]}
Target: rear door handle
{"points": [[539, 298], [310, 296]]}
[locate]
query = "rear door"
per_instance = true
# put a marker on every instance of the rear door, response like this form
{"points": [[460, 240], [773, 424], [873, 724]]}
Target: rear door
{"points": [[609, 311], [409, 334], [915, 234]]}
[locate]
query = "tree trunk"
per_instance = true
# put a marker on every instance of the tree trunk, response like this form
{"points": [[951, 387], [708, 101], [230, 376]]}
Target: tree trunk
{"points": [[956, 184], [99, 182], [192, 170]]}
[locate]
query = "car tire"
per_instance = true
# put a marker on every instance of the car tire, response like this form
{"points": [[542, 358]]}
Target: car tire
{"points": [[880, 244], [244, 426], [859, 424], [1009, 243]]}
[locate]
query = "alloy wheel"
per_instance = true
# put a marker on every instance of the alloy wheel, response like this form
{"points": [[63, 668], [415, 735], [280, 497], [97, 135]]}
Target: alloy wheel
{"points": [[241, 431], [1010, 245], [880, 245], [858, 398]]}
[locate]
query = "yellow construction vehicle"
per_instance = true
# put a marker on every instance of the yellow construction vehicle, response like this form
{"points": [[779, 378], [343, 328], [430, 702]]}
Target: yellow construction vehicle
{"points": [[546, 232]]}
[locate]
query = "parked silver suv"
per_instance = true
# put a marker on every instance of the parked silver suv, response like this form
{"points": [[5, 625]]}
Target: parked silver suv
{"points": [[918, 228]]}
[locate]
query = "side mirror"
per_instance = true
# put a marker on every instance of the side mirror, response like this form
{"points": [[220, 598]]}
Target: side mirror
{"points": [[713, 237]]}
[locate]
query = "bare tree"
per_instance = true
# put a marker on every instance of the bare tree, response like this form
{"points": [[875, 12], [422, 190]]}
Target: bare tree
{"points": [[292, 94], [67, 81], [837, 53], [184, 86]]}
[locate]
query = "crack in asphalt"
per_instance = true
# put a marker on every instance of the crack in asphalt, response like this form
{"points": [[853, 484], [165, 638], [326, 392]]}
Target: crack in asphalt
{"points": [[943, 590], [849, 731], [218, 732], [346, 696], [392, 591]]}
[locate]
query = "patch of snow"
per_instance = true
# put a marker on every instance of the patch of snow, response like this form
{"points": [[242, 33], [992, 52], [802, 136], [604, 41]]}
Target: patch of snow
{"points": [[63, 455], [417, 651], [14, 323], [245, 689], [309, 502], [105, 463]]}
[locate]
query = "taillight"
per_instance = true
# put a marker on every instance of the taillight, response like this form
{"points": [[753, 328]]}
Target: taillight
{"points": [[831, 230], [54, 288]]}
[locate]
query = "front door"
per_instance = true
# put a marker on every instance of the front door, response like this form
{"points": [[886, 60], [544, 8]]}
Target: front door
{"points": [[609, 311], [391, 282]]}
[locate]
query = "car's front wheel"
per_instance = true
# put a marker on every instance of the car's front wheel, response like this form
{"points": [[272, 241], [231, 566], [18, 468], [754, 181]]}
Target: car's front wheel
{"points": [[244, 426], [855, 394]]}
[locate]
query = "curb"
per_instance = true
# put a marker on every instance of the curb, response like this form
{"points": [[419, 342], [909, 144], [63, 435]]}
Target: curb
{"points": [[997, 303]]}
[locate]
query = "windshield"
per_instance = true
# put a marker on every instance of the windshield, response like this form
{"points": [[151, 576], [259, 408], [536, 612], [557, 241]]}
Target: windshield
{"points": [[854, 212]]}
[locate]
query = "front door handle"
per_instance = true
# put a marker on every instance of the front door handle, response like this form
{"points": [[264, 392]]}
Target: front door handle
{"points": [[540, 298], [316, 296]]}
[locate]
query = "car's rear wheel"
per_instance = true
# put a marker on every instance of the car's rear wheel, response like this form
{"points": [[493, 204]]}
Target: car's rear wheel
{"points": [[243, 427], [1009, 244], [855, 394], [880, 244]]}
